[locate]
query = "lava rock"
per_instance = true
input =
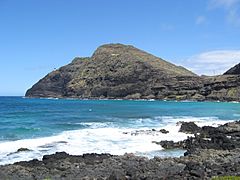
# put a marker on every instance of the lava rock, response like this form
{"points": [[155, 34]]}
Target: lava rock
{"points": [[170, 144], [22, 149], [189, 128], [164, 131], [203, 164], [234, 70]]}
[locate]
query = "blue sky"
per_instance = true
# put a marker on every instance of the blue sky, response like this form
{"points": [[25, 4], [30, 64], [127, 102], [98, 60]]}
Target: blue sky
{"points": [[37, 36]]}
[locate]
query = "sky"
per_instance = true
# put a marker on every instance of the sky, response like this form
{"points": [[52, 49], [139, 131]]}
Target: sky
{"points": [[37, 36]]}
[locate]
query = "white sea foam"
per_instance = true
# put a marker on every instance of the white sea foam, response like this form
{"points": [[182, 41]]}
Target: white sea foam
{"points": [[102, 138], [94, 125]]}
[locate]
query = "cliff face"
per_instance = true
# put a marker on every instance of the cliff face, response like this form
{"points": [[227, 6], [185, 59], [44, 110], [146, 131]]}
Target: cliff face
{"points": [[234, 70], [121, 71]]}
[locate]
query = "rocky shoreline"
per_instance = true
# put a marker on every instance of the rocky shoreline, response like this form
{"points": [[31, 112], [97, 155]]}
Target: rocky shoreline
{"points": [[129, 99], [211, 152]]}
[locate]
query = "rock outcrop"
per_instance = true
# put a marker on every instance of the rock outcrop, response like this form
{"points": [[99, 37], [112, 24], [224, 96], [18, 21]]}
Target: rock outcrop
{"points": [[189, 128], [224, 137], [201, 165], [213, 152], [234, 70], [122, 71]]}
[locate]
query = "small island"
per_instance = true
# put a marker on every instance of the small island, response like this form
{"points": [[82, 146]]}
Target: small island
{"points": [[117, 71]]}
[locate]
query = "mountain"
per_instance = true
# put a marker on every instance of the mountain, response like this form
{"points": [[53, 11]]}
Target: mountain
{"points": [[233, 70], [121, 71]]}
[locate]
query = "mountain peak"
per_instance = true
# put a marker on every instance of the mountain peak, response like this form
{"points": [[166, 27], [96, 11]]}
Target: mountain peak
{"points": [[114, 49], [130, 54]]}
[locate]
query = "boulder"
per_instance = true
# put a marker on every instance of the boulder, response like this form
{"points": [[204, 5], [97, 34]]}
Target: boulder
{"points": [[189, 128], [164, 131]]}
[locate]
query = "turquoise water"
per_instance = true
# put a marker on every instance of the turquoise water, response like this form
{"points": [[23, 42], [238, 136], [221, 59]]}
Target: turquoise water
{"points": [[28, 118], [24, 119]]}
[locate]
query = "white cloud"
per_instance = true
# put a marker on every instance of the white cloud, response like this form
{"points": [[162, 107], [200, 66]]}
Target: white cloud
{"points": [[200, 20], [222, 3], [213, 62], [231, 7]]}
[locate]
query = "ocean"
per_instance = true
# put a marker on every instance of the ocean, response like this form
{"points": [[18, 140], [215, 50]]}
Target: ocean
{"points": [[46, 126]]}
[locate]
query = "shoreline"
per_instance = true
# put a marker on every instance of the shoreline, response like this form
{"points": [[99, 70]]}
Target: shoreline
{"points": [[213, 151], [122, 99], [109, 139]]}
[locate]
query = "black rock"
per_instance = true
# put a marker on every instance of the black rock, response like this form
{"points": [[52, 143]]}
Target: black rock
{"points": [[208, 131], [224, 137], [23, 149], [117, 175], [234, 70], [170, 144], [189, 128], [164, 131], [215, 151], [203, 164]]}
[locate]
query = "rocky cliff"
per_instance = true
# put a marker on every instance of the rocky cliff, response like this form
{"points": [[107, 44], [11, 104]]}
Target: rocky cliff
{"points": [[122, 71], [234, 70]]}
